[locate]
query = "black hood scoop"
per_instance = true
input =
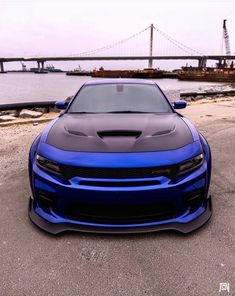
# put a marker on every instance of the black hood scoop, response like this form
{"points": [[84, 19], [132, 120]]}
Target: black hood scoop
{"points": [[119, 132]]}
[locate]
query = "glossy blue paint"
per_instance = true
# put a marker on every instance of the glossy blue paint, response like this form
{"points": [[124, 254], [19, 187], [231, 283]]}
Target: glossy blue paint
{"points": [[164, 191], [180, 104], [61, 104], [137, 159]]}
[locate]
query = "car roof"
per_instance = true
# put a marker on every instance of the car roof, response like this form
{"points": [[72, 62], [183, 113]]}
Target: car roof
{"points": [[119, 80]]}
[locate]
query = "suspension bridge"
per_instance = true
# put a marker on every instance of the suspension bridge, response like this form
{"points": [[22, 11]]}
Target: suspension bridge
{"points": [[184, 52]]}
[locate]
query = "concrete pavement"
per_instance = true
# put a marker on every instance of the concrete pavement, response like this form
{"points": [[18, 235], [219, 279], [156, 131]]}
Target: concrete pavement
{"points": [[164, 264]]}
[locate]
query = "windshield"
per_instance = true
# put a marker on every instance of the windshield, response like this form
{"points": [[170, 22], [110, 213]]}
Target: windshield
{"points": [[120, 98]]}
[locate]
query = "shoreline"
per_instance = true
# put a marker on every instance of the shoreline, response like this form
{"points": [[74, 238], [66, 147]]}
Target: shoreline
{"points": [[199, 110], [40, 88]]}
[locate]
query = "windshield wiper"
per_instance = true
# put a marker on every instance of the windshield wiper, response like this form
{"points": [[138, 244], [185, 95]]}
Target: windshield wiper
{"points": [[127, 111], [83, 112], [117, 112]]}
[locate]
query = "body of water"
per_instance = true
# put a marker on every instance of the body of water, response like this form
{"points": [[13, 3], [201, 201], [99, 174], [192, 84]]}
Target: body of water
{"points": [[29, 87]]}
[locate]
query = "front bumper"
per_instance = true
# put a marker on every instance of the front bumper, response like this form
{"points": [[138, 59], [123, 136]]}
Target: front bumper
{"points": [[56, 228], [55, 219]]}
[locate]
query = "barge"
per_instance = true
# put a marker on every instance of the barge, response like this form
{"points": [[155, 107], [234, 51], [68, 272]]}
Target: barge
{"points": [[78, 73], [208, 74], [146, 73]]}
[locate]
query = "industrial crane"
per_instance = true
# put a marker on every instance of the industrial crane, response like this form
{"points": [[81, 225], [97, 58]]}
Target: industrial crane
{"points": [[226, 38], [227, 45]]}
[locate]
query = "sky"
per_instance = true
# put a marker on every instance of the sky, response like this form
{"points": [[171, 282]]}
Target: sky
{"points": [[32, 28]]}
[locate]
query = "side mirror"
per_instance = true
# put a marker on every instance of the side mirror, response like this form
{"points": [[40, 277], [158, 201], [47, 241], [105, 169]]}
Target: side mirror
{"points": [[180, 104], [61, 104]]}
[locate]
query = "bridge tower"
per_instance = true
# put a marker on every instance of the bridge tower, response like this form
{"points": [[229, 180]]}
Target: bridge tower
{"points": [[150, 65]]}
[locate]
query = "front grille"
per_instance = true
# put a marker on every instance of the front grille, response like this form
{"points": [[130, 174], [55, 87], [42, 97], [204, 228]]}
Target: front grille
{"points": [[119, 183], [120, 214], [69, 172]]}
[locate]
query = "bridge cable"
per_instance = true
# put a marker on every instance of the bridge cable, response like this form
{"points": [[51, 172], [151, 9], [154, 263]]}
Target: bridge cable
{"points": [[178, 44], [111, 45]]}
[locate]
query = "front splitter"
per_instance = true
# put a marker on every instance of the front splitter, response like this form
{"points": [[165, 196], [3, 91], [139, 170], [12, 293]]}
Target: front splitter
{"points": [[56, 228]]}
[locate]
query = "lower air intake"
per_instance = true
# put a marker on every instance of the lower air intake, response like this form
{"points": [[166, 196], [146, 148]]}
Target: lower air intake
{"points": [[120, 214]]}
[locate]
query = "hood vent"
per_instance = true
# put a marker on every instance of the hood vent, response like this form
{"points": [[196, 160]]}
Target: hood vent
{"points": [[75, 132], [164, 132], [119, 133]]}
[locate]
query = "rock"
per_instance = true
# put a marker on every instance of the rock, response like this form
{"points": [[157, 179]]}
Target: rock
{"points": [[199, 98], [54, 109], [5, 118], [69, 99], [188, 99], [41, 109], [25, 113], [8, 112]]}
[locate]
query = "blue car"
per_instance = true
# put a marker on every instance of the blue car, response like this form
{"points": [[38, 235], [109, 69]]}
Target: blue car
{"points": [[120, 159]]}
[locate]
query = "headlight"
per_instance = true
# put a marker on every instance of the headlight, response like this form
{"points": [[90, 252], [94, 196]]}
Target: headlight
{"points": [[47, 165], [191, 164]]}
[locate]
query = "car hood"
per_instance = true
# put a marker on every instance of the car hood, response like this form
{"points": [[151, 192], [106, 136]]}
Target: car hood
{"points": [[119, 132]]}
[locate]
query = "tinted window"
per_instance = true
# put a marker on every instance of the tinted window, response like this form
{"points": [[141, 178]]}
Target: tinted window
{"points": [[102, 98]]}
